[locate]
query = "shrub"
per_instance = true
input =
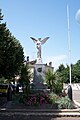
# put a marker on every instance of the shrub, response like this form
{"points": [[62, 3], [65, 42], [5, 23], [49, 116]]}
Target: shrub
{"points": [[64, 103]]}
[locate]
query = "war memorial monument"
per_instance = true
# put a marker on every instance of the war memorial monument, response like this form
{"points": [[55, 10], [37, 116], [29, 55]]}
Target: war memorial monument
{"points": [[39, 68]]}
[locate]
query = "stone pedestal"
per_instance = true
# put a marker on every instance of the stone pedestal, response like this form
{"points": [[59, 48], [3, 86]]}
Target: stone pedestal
{"points": [[39, 76], [39, 61]]}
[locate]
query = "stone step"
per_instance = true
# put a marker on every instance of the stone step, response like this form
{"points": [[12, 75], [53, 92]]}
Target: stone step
{"points": [[37, 112]]}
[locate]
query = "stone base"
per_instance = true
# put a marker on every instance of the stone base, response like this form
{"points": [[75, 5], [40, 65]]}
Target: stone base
{"points": [[38, 86], [39, 76], [39, 81]]}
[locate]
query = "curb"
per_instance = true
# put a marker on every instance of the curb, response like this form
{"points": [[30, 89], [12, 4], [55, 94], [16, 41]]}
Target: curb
{"points": [[77, 103]]}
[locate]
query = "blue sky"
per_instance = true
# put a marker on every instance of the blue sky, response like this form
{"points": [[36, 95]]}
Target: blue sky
{"points": [[42, 18]]}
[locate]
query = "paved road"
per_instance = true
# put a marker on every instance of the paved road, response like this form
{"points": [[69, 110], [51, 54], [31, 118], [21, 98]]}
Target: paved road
{"points": [[76, 95], [24, 117]]}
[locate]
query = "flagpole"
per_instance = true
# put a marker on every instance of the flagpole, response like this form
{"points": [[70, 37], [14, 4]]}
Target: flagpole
{"points": [[69, 44], [69, 49]]}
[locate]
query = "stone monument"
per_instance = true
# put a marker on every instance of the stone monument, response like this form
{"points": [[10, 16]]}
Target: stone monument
{"points": [[38, 43], [39, 68]]}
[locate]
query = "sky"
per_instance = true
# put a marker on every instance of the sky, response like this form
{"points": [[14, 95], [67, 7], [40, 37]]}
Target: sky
{"points": [[44, 18]]}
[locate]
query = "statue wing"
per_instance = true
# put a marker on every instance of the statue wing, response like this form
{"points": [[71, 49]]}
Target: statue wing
{"points": [[44, 40], [33, 39]]}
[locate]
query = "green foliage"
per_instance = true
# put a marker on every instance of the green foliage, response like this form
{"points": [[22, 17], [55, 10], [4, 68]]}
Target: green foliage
{"points": [[22, 98], [1, 16], [65, 103], [62, 102], [63, 73], [19, 98], [53, 98], [50, 78], [25, 77], [11, 53], [53, 83], [58, 87], [76, 72]]}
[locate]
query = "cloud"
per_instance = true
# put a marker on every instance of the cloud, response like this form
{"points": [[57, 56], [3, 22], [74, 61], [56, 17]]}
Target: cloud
{"points": [[78, 16], [56, 60]]}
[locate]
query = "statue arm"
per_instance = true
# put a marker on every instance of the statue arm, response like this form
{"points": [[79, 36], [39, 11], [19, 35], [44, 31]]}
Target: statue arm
{"points": [[44, 40], [34, 40]]}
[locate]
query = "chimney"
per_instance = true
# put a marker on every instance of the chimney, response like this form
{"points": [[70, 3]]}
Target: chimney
{"points": [[50, 64], [27, 58]]}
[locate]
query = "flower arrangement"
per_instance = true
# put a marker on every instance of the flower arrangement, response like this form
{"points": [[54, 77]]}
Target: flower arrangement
{"points": [[35, 99], [43, 100]]}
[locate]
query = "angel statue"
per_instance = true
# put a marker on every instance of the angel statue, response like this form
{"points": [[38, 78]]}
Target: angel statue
{"points": [[38, 43]]}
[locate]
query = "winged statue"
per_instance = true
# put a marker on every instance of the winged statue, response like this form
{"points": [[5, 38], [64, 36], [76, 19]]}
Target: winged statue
{"points": [[38, 43]]}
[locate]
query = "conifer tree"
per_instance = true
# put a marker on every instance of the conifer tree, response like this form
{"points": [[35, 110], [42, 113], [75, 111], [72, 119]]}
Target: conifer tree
{"points": [[11, 52]]}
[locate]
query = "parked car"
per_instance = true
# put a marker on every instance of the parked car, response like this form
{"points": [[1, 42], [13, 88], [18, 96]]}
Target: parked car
{"points": [[3, 89], [6, 91]]}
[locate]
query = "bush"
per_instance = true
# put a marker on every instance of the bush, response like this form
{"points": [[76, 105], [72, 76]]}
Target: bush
{"points": [[65, 103]]}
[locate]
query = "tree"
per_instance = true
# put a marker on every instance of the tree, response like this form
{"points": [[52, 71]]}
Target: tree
{"points": [[25, 76], [76, 72], [62, 73], [61, 68], [11, 53]]}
